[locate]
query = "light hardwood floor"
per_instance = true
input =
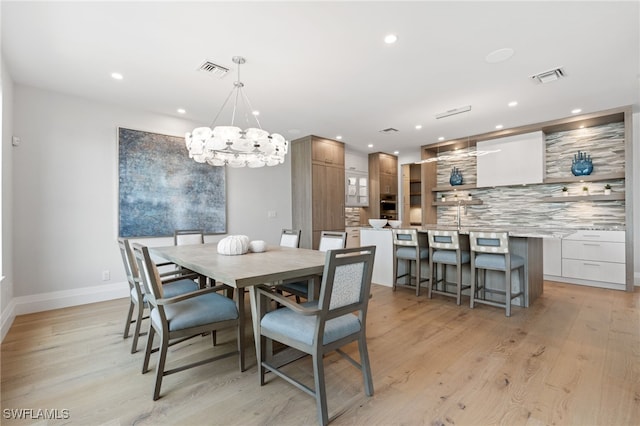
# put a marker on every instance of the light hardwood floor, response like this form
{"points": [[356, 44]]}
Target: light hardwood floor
{"points": [[571, 359]]}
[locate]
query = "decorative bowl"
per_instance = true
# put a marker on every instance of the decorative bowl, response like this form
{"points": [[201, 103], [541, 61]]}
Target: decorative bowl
{"points": [[395, 223], [377, 223]]}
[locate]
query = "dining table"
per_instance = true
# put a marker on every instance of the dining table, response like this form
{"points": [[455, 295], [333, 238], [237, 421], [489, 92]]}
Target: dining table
{"points": [[274, 265]]}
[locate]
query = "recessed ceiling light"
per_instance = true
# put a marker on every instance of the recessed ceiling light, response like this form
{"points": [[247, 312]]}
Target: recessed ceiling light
{"points": [[513, 103], [182, 111], [418, 126], [499, 126], [396, 152], [576, 111], [256, 113], [116, 76], [441, 138], [338, 137], [390, 38], [499, 55], [370, 145]]}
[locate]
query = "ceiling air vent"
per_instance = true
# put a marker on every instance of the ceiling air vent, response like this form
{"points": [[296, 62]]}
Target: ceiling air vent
{"points": [[548, 76], [213, 69], [388, 130], [454, 111]]}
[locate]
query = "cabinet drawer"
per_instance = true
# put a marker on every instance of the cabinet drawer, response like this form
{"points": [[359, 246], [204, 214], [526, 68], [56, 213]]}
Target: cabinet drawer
{"points": [[593, 250], [584, 235], [595, 271]]}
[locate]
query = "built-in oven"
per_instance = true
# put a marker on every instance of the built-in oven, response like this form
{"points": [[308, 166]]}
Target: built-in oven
{"points": [[388, 207]]}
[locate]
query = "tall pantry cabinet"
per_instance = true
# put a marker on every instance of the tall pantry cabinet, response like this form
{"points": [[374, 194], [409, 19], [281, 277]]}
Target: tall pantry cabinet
{"points": [[317, 186]]}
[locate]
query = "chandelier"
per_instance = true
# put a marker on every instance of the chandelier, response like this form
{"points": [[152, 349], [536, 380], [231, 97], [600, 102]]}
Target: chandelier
{"points": [[230, 145]]}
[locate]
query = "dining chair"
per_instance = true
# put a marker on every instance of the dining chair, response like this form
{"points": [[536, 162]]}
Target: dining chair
{"points": [[491, 251], [316, 328], [329, 240], [183, 237], [290, 238], [410, 246], [447, 248], [176, 319], [175, 283]]}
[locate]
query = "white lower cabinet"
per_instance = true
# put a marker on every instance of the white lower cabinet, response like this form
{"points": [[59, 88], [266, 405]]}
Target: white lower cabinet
{"points": [[594, 258]]}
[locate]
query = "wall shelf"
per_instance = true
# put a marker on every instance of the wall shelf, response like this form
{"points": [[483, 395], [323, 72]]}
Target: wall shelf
{"points": [[452, 188], [455, 203], [588, 178], [572, 198]]}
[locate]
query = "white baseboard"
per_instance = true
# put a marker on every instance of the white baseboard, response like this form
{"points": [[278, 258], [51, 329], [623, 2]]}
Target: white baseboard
{"points": [[8, 315], [60, 299]]}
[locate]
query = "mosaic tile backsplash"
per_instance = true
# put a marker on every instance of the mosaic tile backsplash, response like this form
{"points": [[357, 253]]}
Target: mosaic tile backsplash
{"points": [[521, 205]]}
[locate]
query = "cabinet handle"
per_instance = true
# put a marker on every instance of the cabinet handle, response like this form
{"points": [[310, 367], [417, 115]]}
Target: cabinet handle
{"points": [[592, 236], [590, 264], [591, 244]]}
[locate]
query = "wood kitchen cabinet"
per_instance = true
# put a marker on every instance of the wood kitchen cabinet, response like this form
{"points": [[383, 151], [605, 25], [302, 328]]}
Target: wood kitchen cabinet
{"points": [[317, 186], [383, 185]]}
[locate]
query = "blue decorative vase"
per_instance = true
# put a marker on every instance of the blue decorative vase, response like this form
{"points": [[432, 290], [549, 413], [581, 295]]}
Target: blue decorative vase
{"points": [[581, 164], [456, 177]]}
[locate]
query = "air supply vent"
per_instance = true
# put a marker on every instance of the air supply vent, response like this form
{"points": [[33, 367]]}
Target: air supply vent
{"points": [[454, 111], [388, 130], [548, 76], [213, 69]]}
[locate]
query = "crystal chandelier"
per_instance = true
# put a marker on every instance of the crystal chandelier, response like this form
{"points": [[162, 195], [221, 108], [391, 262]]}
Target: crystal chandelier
{"points": [[230, 145]]}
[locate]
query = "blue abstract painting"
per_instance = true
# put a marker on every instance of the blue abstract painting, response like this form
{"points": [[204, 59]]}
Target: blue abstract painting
{"points": [[161, 189]]}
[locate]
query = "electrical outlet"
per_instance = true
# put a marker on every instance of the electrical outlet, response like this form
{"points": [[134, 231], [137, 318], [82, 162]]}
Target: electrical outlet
{"points": [[106, 275], [271, 214]]}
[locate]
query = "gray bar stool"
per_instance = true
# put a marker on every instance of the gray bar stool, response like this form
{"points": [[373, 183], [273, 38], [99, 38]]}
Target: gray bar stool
{"points": [[490, 251], [447, 248], [410, 246]]}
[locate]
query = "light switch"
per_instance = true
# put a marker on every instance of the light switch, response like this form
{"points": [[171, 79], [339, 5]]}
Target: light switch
{"points": [[271, 214], [15, 141]]}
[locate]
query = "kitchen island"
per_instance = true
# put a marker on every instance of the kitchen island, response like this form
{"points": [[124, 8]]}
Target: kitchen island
{"points": [[525, 242]]}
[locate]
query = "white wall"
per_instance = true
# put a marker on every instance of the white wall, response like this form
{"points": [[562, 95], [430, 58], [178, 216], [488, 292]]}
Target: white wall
{"points": [[65, 184], [636, 197], [6, 285]]}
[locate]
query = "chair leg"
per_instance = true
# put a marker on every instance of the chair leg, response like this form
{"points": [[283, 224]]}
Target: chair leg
{"points": [[365, 365], [136, 332], [164, 345], [128, 323], [147, 352], [321, 394], [261, 348]]}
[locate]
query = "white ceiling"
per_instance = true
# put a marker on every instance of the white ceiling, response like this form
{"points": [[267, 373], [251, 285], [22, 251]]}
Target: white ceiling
{"points": [[322, 67]]}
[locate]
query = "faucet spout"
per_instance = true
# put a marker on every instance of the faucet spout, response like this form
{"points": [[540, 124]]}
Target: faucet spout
{"points": [[458, 216]]}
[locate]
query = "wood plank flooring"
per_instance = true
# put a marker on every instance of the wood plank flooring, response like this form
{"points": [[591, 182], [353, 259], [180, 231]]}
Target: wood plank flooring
{"points": [[571, 359]]}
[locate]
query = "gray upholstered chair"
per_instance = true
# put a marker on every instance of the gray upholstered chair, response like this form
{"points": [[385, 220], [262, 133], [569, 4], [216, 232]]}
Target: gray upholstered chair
{"points": [[290, 238], [329, 240], [410, 246], [174, 283], [316, 328], [447, 248], [490, 251], [181, 317]]}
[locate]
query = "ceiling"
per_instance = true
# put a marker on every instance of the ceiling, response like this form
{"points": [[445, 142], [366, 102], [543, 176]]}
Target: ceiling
{"points": [[323, 68]]}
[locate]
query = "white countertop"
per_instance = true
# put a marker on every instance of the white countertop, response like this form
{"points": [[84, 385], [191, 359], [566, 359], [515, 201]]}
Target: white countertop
{"points": [[514, 231]]}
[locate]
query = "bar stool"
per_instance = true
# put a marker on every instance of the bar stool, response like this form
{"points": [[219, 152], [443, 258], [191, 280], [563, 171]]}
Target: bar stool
{"points": [[490, 251], [412, 247], [447, 248]]}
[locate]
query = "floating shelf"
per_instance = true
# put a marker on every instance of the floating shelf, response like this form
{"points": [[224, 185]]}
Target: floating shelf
{"points": [[588, 178], [452, 188], [566, 179], [572, 198], [455, 203]]}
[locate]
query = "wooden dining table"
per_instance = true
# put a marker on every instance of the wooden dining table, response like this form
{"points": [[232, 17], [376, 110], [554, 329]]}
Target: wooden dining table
{"points": [[245, 271]]}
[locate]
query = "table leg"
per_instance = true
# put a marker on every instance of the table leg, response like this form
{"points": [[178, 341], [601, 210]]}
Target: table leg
{"points": [[241, 325], [254, 300]]}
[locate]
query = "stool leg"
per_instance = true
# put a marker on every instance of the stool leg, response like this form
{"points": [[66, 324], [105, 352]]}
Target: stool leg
{"points": [[459, 280], [473, 282], [430, 276], [418, 273], [508, 292], [395, 272]]}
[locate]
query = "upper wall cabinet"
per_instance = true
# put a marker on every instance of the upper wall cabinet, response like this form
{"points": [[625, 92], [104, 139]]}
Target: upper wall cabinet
{"points": [[511, 160], [328, 152], [356, 179]]}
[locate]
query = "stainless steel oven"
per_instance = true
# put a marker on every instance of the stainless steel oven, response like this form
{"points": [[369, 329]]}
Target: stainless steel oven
{"points": [[388, 207]]}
